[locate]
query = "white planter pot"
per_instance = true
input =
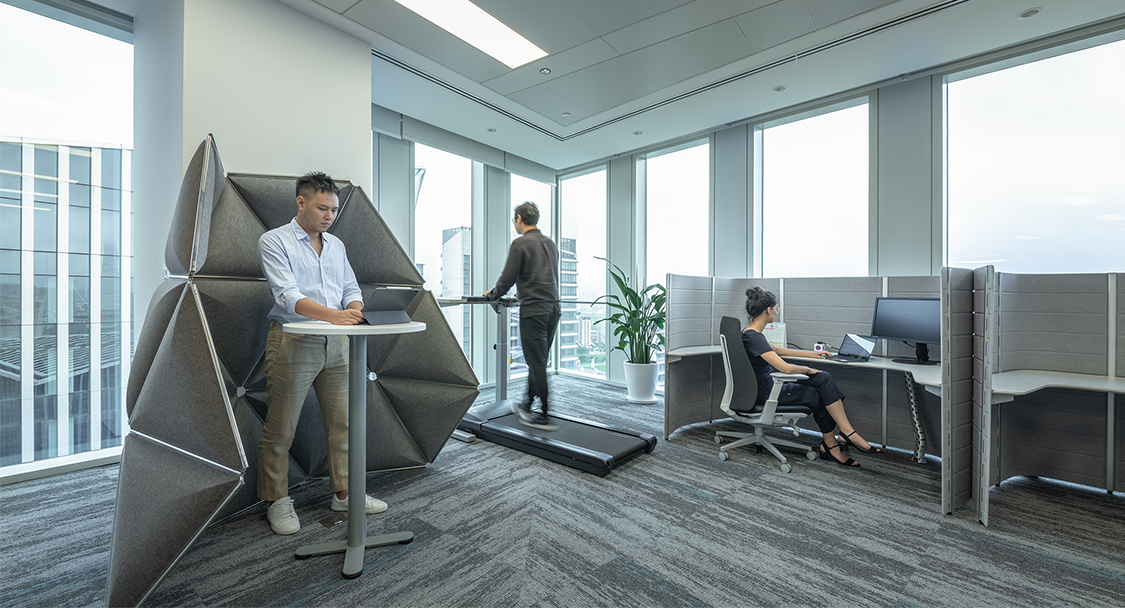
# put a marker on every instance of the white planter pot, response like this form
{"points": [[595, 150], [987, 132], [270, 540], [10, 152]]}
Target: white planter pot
{"points": [[640, 380]]}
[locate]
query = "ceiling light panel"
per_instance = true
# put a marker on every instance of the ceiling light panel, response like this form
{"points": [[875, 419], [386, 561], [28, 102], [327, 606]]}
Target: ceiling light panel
{"points": [[472, 24]]}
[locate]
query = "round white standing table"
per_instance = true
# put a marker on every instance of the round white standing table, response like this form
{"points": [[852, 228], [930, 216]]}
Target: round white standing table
{"points": [[357, 541]]}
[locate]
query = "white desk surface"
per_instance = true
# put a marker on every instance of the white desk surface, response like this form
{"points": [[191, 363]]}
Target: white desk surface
{"points": [[321, 328], [926, 375], [1024, 381]]}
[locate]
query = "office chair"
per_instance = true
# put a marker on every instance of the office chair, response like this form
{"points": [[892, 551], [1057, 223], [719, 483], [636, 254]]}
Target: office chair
{"points": [[741, 395]]}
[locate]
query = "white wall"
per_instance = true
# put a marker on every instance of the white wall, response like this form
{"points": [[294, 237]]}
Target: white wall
{"points": [[282, 93]]}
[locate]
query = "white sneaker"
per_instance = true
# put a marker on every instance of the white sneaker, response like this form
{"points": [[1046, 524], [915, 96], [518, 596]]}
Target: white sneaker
{"points": [[282, 517], [374, 505]]}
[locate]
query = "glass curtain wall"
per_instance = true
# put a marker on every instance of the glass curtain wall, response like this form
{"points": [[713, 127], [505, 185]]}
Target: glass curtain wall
{"points": [[1035, 165], [443, 232], [582, 237], [814, 196], [66, 337], [542, 194], [677, 217]]}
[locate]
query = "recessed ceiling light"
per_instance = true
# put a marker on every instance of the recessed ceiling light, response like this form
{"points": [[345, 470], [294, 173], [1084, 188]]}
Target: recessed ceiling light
{"points": [[779, 88], [566, 114], [1029, 13], [638, 132], [472, 24], [544, 71]]}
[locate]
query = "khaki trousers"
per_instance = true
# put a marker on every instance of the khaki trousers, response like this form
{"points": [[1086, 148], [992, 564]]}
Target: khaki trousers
{"points": [[294, 363]]}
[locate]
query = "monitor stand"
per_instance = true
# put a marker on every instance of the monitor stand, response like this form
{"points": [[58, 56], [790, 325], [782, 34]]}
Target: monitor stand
{"points": [[921, 355]]}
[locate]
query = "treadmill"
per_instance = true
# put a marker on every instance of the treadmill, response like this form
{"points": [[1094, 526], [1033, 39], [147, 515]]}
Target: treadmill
{"points": [[581, 444]]}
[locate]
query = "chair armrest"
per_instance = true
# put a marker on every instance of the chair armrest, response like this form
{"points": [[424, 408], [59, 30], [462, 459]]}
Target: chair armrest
{"points": [[788, 377]]}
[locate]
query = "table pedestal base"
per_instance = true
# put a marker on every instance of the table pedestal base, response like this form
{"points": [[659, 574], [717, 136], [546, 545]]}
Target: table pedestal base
{"points": [[353, 556]]}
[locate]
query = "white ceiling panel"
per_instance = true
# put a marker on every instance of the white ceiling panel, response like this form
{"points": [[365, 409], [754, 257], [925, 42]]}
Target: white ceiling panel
{"points": [[545, 100], [620, 78], [338, 5], [546, 24], [827, 12], [664, 63], [405, 27], [605, 16], [715, 45], [659, 6], [771, 25], [561, 64], [670, 24]]}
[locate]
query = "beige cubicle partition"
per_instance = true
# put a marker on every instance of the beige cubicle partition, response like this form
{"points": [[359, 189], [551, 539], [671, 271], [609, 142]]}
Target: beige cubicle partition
{"points": [[826, 310], [956, 387], [1049, 379]]}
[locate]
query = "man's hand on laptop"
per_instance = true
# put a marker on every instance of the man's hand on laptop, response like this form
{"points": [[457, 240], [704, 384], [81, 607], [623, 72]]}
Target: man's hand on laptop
{"points": [[349, 316]]}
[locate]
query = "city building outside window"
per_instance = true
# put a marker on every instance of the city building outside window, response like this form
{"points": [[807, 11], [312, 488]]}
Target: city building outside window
{"points": [[66, 331]]}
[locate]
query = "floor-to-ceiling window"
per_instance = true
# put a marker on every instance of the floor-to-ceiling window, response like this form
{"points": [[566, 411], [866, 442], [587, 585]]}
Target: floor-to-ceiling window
{"points": [[814, 195], [677, 216], [65, 242], [443, 232], [582, 214], [1036, 164]]}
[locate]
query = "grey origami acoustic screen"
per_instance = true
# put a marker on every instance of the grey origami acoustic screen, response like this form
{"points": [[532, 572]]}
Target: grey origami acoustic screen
{"points": [[196, 396]]}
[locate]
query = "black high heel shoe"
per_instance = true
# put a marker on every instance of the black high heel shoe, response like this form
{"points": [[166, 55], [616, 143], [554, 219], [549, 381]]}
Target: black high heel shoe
{"points": [[827, 451], [871, 450]]}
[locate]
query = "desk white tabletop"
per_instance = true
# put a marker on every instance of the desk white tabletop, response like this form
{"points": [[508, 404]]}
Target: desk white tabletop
{"points": [[320, 328], [1024, 381], [926, 375], [688, 351]]}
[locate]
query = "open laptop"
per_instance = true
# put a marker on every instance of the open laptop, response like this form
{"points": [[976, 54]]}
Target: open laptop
{"points": [[855, 348], [387, 305]]}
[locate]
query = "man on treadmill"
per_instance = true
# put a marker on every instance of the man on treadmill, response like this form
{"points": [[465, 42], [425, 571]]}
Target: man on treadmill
{"points": [[532, 266]]}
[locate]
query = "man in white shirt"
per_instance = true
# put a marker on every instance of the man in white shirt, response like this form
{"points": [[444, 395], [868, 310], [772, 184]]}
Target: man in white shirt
{"points": [[310, 278]]}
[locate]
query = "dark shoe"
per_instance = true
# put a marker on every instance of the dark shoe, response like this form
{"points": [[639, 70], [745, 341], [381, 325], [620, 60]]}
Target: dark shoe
{"points": [[827, 451], [523, 408], [870, 450], [540, 421]]}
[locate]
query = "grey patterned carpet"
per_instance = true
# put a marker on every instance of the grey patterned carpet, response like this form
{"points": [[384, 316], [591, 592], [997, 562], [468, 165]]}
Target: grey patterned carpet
{"points": [[496, 527]]}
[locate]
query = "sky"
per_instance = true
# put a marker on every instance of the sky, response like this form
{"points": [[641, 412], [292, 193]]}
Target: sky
{"points": [[60, 82]]}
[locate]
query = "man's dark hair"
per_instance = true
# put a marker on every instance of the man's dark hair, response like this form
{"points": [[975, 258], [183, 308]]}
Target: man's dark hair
{"points": [[315, 181], [529, 211]]}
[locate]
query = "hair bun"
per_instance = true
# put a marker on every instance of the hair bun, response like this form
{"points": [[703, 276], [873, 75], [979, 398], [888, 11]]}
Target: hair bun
{"points": [[754, 292]]}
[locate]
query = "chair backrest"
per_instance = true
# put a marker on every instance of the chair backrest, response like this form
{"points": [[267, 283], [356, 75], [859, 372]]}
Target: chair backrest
{"points": [[742, 384]]}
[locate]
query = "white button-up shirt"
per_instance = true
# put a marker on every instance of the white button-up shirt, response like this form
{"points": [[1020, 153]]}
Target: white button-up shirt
{"points": [[296, 272]]}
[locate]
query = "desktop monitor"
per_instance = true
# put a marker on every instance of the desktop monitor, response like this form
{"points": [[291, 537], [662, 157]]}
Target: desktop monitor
{"points": [[916, 321]]}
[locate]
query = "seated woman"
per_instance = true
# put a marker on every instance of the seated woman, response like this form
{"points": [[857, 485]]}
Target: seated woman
{"points": [[819, 391]]}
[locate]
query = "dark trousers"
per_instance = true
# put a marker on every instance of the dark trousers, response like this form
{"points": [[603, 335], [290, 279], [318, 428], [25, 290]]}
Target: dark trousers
{"points": [[817, 391], [538, 322]]}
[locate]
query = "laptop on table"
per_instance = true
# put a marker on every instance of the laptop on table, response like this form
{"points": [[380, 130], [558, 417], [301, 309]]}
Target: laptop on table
{"points": [[387, 305], [855, 348]]}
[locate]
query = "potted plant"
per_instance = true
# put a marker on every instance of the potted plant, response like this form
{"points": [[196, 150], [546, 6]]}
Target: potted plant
{"points": [[637, 318]]}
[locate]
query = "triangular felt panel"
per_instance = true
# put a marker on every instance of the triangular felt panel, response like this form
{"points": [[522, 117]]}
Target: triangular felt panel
{"points": [[430, 412], [160, 310], [272, 198], [433, 355], [389, 444], [232, 247], [250, 430], [164, 499], [375, 254], [187, 236], [236, 314], [184, 402]]}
